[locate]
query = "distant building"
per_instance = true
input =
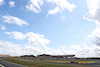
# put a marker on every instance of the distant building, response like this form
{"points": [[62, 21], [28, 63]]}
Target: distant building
{"points": [[55, 57], [27, 56], [4, 56]]}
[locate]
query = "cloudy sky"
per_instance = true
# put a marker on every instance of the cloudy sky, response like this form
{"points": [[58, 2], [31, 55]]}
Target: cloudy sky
{"points": [[55, 27]]}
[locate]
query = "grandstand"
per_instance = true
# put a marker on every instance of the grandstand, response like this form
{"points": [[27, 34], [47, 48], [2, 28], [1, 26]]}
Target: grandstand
{"points": [[55, 57]]}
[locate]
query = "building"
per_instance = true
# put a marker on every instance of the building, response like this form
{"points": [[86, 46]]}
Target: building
{"points": [[4, 56], [27, 56], [55, 57]]}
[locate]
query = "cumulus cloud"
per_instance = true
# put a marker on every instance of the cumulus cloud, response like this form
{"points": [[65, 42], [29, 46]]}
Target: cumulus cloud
{"points": [[62, 4], [96, 36], [10, 48], [94, 11], [86, 51], [36, 39], [14, 20], [94, 15], [17, 50], [33, 38], [16, 35], [97, 41], [2, 27], [95, 33], [12, 4], [39, 46], [35, 5], [1, 2], [53, 11]]}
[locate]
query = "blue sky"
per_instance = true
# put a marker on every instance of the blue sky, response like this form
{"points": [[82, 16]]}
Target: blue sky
{"points": [[51, 27]]}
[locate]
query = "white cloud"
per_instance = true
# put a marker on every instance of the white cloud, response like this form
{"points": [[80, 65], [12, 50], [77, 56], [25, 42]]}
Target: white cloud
{"points": [[36, 39], [85, 50], [54, 11], [94, 11], [63, 4], [35, 5], [37, 45], [1, 2], [14, 20], [62, 18], [94, 15], [10, 48], [16, 35], [12, 4], [95, 35], [17, 50], [33, 38], [2, 27]]}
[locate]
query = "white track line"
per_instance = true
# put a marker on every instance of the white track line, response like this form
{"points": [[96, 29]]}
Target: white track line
{"points": [[2, 65]]}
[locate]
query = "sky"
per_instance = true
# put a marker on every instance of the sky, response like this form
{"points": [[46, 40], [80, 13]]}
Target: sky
{"points": [[55, 27]]}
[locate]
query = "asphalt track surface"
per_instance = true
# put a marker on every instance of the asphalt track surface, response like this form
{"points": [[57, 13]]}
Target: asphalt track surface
{"points": [[9, 64]]}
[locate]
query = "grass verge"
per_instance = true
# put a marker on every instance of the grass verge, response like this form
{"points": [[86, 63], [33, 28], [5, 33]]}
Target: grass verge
{"points": [[40, 64]]}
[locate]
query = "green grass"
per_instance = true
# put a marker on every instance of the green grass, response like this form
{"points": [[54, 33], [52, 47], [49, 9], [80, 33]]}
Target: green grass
{"points": [[40, 64]]}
